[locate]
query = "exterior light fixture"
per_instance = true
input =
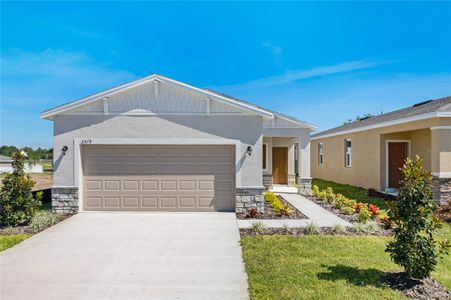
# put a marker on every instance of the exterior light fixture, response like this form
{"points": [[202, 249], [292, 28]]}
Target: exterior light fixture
{"points": [[249, 150], [64, 149]]}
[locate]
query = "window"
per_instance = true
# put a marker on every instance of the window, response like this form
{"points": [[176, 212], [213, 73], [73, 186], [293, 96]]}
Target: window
{"points": [[348, 156], [264, 158], [320, 153]]}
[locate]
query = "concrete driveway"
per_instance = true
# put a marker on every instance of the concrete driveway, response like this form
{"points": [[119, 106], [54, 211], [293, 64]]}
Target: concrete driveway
{"points": [[128, 255]]}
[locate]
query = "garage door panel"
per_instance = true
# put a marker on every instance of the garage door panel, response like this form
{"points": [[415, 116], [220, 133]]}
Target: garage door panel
{"points": [[182, 178]]}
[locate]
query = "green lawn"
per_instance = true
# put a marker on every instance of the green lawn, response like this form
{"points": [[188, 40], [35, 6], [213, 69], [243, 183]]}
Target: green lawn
{"points": [[7, 241], [352, 192], [323, 267]]}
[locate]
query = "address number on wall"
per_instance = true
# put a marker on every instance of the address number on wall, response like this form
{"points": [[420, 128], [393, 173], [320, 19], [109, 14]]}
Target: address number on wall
{"points": [[86, 141]]}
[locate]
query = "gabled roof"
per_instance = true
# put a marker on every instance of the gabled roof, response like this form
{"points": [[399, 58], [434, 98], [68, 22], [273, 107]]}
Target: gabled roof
{"points": [[420, 111], [48, 114]]}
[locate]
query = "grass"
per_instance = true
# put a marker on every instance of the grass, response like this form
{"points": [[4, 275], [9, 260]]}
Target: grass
{"points": [[324, 267], [352, 192], [7, 241]]}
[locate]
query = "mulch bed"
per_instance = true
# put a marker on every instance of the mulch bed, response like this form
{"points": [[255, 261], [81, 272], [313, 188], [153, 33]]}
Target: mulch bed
{"points": [[25, 229], [420, 289], [300, 231], [270, 214], [336, 211]]}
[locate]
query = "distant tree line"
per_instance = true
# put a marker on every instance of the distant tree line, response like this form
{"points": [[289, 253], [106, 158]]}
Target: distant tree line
{"points": [[358, 118], [33, 154]]}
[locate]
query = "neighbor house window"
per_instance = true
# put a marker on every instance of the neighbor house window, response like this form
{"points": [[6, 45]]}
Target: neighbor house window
{"points": [[348, 154], [264, 156], [320, 153]]}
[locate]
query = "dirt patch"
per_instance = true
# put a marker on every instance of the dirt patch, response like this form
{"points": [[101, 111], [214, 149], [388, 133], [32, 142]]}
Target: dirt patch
{"points": [[301, 231], [420, 289], [270, 214], [43, 181]]}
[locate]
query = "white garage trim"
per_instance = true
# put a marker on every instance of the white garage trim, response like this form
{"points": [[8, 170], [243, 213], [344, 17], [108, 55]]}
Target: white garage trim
{"points": [[78, 174]]}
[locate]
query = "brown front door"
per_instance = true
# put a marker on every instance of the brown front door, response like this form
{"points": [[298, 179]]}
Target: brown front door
{"points": [[397, 153], [280, 165]]}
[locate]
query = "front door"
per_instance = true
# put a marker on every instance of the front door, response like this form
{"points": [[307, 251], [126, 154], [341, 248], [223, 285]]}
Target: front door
{"points": [[280, 165], [397, 153]]}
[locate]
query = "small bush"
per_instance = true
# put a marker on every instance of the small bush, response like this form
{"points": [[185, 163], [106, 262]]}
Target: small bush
{"points": [[364, 214], [347, 210], [43, 220], [10, 230], [17, 205], [360, 227], [257, 227], [276, 204], [311, 229], [386, 222], [315, 190], [372, 226], [252, 212], [338, 229], [374, 210], [358, 206]]}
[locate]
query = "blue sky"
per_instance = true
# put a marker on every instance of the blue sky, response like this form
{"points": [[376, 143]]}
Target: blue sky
{"points": [[320, 62]]}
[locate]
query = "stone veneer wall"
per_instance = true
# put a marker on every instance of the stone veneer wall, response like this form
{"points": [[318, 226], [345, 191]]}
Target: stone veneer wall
{"points": [[305, 186], [247, 198], [267, 181], [441, 188], [65, 199], [291, 179]]}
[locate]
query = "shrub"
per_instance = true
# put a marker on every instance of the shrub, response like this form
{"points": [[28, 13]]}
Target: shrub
{"points": [[43, 220], [374, 210], [315, 190], [311, 229], [257, 227], [413, 246], [360, 227], [386, 222], [364, 214], [17, 205], [276, 204], [347, 210], [252, 212], [338, 229], [358, 206], [350, 203], [372, 226]]}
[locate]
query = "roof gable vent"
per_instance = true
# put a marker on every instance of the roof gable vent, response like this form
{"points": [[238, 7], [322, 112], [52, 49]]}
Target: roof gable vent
{"points": [[422, 103]]}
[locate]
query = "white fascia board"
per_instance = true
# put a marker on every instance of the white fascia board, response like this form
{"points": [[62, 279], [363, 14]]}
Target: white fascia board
{"points": [[50, 113], [302, 124], [385, 124]]}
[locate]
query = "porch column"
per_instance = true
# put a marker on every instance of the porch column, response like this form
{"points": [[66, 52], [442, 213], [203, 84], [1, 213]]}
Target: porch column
{"points": [[305, 180]]}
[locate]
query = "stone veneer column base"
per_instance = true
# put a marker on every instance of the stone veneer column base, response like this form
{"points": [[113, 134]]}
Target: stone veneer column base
{"points": [[441, 188], [291, 179], [305, 186], [267, 181], [65, 199], [247, 198]]}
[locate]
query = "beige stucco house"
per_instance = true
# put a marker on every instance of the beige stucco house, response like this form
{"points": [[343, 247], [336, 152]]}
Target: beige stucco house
{"points": [[369, 153], [160, 144]]}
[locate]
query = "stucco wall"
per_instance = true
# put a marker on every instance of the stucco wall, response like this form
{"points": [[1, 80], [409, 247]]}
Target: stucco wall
{"points": [[368, 152], [247, 129], [441, 151]]}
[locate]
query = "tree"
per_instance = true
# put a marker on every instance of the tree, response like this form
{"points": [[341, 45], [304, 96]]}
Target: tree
{"points": [[358, 118], [414, 247], [17, 205]]}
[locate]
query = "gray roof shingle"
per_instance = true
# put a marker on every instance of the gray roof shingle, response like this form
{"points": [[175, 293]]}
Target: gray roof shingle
{"points": [[439, 105]]}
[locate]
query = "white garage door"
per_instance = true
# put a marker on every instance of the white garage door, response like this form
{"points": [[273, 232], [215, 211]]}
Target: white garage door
{"points": [[166, 178]]}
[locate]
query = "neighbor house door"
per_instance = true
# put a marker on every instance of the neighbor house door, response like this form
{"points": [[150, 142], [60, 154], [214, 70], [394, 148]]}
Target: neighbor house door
{"points": [[397, 153], [280, 165]]}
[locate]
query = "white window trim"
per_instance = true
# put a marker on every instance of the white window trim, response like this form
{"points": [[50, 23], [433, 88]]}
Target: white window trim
{"points": [[267, 156], [387, 154], [320, 153], [350, 153]]}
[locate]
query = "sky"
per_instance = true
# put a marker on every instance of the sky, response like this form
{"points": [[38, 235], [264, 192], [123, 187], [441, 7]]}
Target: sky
{"points": [[322, 62]]}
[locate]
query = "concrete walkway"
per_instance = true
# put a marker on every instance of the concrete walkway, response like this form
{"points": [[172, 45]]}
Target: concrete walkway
{"points": [[315, 214], [128, 255]]}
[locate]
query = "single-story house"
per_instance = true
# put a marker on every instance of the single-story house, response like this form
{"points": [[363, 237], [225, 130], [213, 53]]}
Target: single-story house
{"points": [[368, 153], [160, 144], [6, 166]]}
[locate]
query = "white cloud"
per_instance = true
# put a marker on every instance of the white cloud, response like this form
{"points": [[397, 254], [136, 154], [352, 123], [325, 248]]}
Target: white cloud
{"points": [[295, 75], [275, 50]]}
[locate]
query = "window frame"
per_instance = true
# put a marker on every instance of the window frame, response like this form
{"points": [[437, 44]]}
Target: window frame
{"points": [[348, 163], [320, 153]]}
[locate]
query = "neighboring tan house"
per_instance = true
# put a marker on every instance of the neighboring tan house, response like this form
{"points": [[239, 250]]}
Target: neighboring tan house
{"points": [[6, 164], [369, 153], [159, 144]]}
